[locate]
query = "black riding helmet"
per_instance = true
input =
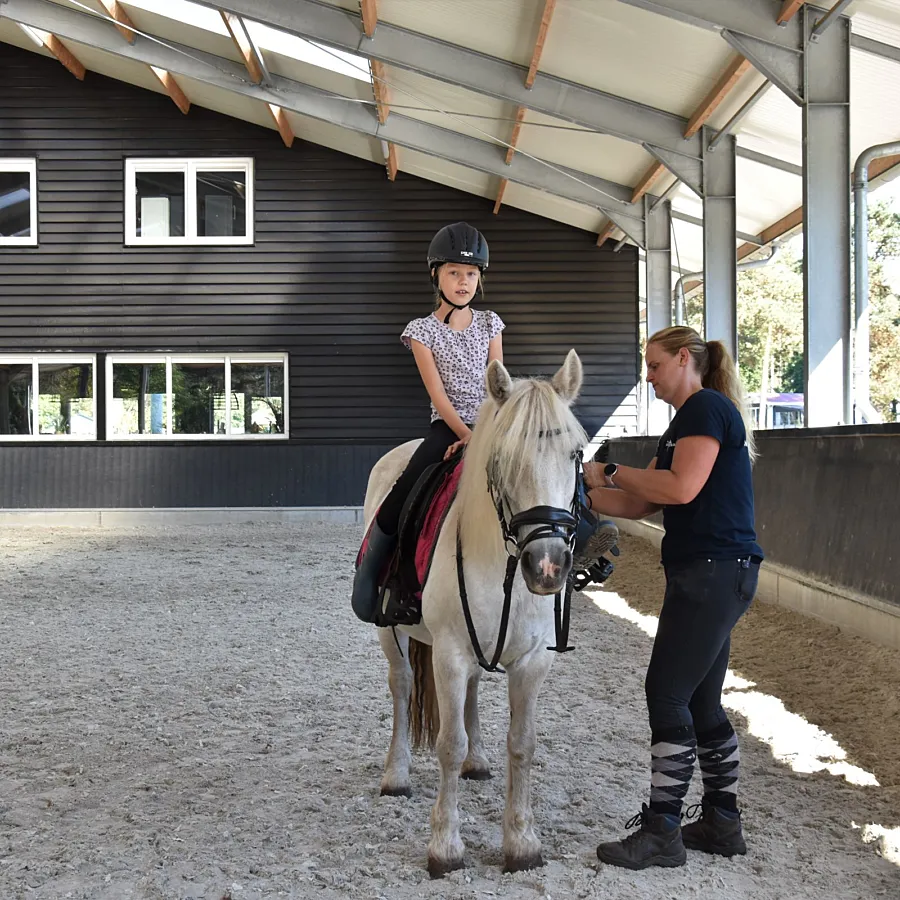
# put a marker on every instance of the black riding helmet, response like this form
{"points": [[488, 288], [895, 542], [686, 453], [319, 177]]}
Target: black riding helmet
{"points": [[459, 243]]}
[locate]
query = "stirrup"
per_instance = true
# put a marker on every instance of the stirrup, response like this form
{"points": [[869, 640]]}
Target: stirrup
{"points": [[594, 574]]}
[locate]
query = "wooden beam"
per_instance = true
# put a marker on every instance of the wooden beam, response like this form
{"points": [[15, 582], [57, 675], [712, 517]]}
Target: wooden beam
{"points": [[503, 183], [167, 80], [369, 16], [549, 6], [789, 9], [61, 52], [880, 166], [723, 87], [116, 11], [244, 47], [651, 176], [773, 232], [511, 152], [795, 219], [392, 166], [282, 124], [380, 88], [729, 78], [605, 235]]}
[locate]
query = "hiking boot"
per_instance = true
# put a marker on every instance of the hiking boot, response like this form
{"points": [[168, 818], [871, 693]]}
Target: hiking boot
{"points": [[716, 831], [593, 539], [656, 843], [373, 559]]}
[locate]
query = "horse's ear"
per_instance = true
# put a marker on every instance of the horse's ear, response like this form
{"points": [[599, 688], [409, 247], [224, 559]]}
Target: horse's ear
{"points": [[499, 384], [567, 381]]}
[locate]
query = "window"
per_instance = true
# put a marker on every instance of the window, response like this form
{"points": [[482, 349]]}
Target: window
{"points": [[188, 201], [18, 202], [152, 397], [47, 396]]}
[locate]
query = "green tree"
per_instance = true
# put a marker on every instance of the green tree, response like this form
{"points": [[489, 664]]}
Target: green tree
{"points": [[770, 324], [884, 309]]}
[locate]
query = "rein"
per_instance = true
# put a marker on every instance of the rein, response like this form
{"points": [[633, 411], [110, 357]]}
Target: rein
{"points": [[552, 522]]}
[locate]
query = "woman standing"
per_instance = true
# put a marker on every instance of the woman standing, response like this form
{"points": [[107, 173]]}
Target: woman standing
{"points": [[701, 479]]}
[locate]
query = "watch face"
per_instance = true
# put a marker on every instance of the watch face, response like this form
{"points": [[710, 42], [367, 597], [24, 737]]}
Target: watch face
{"points": [[610, 470]]}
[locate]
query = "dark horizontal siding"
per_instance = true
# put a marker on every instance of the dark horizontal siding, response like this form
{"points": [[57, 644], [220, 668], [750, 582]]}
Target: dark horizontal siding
{"points": [[336, 271]]}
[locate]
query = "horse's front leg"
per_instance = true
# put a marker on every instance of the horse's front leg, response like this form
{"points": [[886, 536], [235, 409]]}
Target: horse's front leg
{"points": [[521, 846], [395, 780], [451, 677], [475, 766]]}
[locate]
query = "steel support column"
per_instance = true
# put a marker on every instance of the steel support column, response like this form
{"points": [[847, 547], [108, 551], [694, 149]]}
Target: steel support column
{"points": [[719, 241], [658, 231], [826, 216]]}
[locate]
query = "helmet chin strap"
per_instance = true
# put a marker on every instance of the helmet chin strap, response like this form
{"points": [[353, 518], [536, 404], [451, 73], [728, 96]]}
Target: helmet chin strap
{"points": [[455, 306]]}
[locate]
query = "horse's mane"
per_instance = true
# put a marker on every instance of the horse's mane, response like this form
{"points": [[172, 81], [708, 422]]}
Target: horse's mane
{"points": [[508, 437]]}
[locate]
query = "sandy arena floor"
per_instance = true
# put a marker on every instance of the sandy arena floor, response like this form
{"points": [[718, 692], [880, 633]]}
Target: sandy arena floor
{"points": [[195, 713]]}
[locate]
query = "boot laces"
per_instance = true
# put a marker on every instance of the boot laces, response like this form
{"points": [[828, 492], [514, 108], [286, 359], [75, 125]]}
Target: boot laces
{"points": [[636, 820], [694, 811]]}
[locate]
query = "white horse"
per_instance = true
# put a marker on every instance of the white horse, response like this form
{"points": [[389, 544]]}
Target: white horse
{"points": [[524, 452]]}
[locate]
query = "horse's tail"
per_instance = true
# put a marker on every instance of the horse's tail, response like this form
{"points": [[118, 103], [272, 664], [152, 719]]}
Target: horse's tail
{"points": [[424, 720]]}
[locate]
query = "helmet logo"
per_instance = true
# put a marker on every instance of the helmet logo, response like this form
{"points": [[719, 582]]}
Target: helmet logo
{"points": [[465, 253]]}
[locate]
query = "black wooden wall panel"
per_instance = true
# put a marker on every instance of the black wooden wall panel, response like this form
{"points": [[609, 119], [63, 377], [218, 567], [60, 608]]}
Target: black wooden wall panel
{"points": [[336, 271]]}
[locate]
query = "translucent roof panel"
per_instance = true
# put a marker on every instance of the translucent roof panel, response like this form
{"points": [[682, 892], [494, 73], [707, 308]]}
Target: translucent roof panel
{"points": [[878, 20], [635, 54], [506, 29], [581, 149], [450, 107]]}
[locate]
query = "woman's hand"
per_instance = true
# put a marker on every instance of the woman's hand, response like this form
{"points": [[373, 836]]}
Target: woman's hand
{"points": [[454, 447], [593, 475]]}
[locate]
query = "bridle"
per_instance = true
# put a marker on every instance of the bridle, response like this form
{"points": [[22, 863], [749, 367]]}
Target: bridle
{"points": [[551, 522]]}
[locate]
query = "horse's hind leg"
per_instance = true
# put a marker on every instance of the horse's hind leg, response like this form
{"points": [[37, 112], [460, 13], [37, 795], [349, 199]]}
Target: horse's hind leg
{"points": [[395, 780], [521, 846], [475, 766]]}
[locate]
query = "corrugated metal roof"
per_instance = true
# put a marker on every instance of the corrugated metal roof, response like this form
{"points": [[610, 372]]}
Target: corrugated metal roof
{"points": [[602, 44]]}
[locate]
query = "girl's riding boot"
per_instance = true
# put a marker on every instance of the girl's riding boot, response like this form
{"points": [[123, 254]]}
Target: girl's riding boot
{"points": [[378, 551]]}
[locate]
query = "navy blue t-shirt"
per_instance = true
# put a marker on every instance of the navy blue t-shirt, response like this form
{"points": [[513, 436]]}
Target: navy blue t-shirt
{"points": [[718, 522]]}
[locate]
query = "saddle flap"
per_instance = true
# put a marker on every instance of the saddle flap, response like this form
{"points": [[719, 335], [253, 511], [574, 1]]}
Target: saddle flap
{"points": [[422, 516]]}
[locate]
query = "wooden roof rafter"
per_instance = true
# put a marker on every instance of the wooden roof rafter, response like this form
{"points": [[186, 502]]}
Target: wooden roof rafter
{"points": [[241, 38], [543, 28], [789, 9], [126, 28], [380, 90], [55, 46], [116, 11], [731, 75]]}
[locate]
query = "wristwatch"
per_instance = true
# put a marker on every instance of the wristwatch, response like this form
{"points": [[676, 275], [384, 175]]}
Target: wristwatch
{"points": [[609, 470]]}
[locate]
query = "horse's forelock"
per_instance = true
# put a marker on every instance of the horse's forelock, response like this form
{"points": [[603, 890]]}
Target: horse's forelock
{"points": [[508, 438]]}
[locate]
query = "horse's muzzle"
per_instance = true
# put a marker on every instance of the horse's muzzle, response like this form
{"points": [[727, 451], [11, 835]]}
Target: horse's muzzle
{"points": [[545, 565]]}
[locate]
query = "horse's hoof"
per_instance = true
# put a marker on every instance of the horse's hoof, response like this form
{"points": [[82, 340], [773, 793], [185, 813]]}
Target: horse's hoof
{"points": [[396, 792], [476, 774], [438, 868], [523, 863]]}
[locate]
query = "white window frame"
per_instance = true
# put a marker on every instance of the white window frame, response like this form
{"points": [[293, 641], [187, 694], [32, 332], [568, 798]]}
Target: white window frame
{"points": [[174, 358], [35, 359], [190, 167], [29, 166]]}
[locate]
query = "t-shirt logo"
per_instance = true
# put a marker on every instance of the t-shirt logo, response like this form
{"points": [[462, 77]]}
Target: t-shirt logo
{"points": [[670, 445]]}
